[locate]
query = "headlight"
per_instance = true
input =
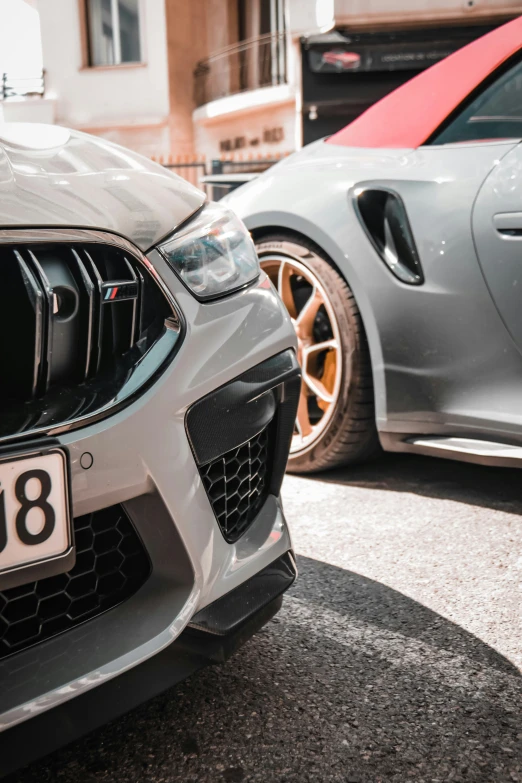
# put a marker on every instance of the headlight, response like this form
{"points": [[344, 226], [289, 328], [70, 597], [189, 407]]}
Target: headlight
{"points": [[214, 254]]}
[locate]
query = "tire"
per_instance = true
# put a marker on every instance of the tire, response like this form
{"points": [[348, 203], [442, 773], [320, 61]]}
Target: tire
{"points": [[345, 432]]}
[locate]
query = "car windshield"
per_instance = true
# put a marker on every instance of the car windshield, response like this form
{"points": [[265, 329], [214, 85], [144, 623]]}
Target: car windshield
{"points": [[495, 114]]}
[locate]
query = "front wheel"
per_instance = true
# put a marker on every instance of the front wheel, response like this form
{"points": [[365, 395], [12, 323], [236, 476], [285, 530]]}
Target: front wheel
{"points": [[336, 418]]}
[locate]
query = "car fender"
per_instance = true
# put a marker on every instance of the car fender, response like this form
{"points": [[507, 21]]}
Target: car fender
{"points": [[311, 194], [332, 243]]}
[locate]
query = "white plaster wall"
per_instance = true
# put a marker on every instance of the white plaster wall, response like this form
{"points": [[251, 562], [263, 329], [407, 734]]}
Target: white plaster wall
{"points": [[29, 110], [251, 125], [247, 114], [20, 47], [315, 15], [104, 97]]}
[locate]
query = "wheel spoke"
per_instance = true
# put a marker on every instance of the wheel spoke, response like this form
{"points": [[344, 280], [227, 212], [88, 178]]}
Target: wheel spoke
{"points": [[326, 345], [284, 288], [303, 420], [322, 361], [307, 316], [317, 387]]}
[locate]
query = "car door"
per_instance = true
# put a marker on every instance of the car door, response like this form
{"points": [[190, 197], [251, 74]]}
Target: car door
{"points": [[497, 230], [495, 114]]}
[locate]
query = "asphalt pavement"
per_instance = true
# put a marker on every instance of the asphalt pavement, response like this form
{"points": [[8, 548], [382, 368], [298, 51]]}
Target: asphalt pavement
{"points": [[396, 656]]}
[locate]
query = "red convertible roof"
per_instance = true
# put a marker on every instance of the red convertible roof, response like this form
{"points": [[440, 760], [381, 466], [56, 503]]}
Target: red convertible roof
{"points": [[409, 115]]}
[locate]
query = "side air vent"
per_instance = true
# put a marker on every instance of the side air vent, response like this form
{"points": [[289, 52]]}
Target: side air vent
{"points": [[383, 217], [77, 320]]}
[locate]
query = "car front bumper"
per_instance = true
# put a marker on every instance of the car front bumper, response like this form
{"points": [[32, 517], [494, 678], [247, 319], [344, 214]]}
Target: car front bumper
{"points": [[236, 616], [142, 459]]}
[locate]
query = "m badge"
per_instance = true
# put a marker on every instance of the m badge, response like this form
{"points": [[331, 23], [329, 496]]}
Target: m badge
{"points": [[118, 291]]}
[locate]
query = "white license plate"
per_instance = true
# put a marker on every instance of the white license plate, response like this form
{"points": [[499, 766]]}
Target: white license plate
{"points": [[34, 511]]}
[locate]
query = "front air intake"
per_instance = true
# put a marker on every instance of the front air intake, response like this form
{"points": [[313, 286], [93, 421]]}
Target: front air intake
{"points": [[78, 320], [238, 483], [383, 216], [111, 565], [240, 436]]}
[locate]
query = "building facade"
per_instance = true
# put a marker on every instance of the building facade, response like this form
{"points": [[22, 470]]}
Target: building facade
{"points": [[109, 74], [302, 69], [240, 79]]}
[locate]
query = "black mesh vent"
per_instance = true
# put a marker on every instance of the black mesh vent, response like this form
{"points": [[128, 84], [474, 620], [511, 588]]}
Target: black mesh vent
{"points": [[75, 322], [237, 484], [111, 565]]}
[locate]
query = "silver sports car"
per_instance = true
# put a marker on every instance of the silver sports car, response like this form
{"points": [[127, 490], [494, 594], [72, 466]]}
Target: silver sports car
{"points": [[396, 245], [144, 431]]}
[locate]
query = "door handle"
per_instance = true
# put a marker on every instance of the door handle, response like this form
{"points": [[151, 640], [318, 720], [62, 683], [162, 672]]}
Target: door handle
{"points": [[509, 224]]}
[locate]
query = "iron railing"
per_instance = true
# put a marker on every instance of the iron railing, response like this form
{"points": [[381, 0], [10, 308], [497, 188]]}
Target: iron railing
{"points": [[256, 62], [192, 171], [227, 175], [198, 171], [219, 166], [22, 86]]}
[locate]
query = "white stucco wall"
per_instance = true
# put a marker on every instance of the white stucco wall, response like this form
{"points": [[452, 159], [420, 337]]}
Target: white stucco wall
{"points": [[248, 124], [249, 115], [20, 46], [104, 97], [309, 16], [28, 110], [418, 11]]}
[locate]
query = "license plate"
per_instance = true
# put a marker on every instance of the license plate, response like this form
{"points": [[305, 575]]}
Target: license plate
{"points": [[35, 529]]}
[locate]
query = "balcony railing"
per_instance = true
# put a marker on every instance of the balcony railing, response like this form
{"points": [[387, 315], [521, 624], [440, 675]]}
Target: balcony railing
{"points": [[22, 86], [256, 62]]}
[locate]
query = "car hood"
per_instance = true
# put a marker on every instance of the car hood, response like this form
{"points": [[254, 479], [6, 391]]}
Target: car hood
{"points": [[54, 177]]}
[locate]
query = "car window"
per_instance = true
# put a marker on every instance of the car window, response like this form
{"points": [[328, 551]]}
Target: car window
{"points": [[495, 114]]}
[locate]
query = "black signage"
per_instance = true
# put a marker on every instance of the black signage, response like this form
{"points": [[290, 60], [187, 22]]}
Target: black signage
{"points": [[402, 57], [345, 71]]}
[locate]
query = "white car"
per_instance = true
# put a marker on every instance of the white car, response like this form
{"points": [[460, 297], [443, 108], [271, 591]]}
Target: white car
{"points": [[149, 390], [396, 246]]}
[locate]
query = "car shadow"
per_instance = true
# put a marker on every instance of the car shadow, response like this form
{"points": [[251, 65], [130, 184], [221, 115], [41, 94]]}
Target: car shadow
{"points": [[376, 606], [478, 485], [351, 682]]}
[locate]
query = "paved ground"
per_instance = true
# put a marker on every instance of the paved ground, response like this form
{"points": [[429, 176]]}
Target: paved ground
{"points": [[394, 658]]}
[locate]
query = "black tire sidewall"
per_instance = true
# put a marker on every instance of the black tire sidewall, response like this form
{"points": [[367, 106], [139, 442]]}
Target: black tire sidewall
{"points": [[354, 354]]}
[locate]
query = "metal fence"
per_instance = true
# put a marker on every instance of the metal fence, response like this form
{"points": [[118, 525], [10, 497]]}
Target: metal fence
{"points": [[241, 166], [256, 62], [22, 86], [194, 171], [227, 175]]}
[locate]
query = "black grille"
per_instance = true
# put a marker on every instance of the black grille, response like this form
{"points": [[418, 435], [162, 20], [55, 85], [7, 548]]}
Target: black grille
{"points": [[75, 321], [237, 484], [240, 436], [111, 565]]}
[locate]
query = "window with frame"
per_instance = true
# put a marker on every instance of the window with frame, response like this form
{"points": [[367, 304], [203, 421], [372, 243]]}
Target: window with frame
{"points": [[496, 113], [263, 61], [113, 32]]}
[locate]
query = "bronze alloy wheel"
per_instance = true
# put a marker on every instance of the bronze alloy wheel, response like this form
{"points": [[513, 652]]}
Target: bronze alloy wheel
{"points": [[318, 345], [335, 419]]}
